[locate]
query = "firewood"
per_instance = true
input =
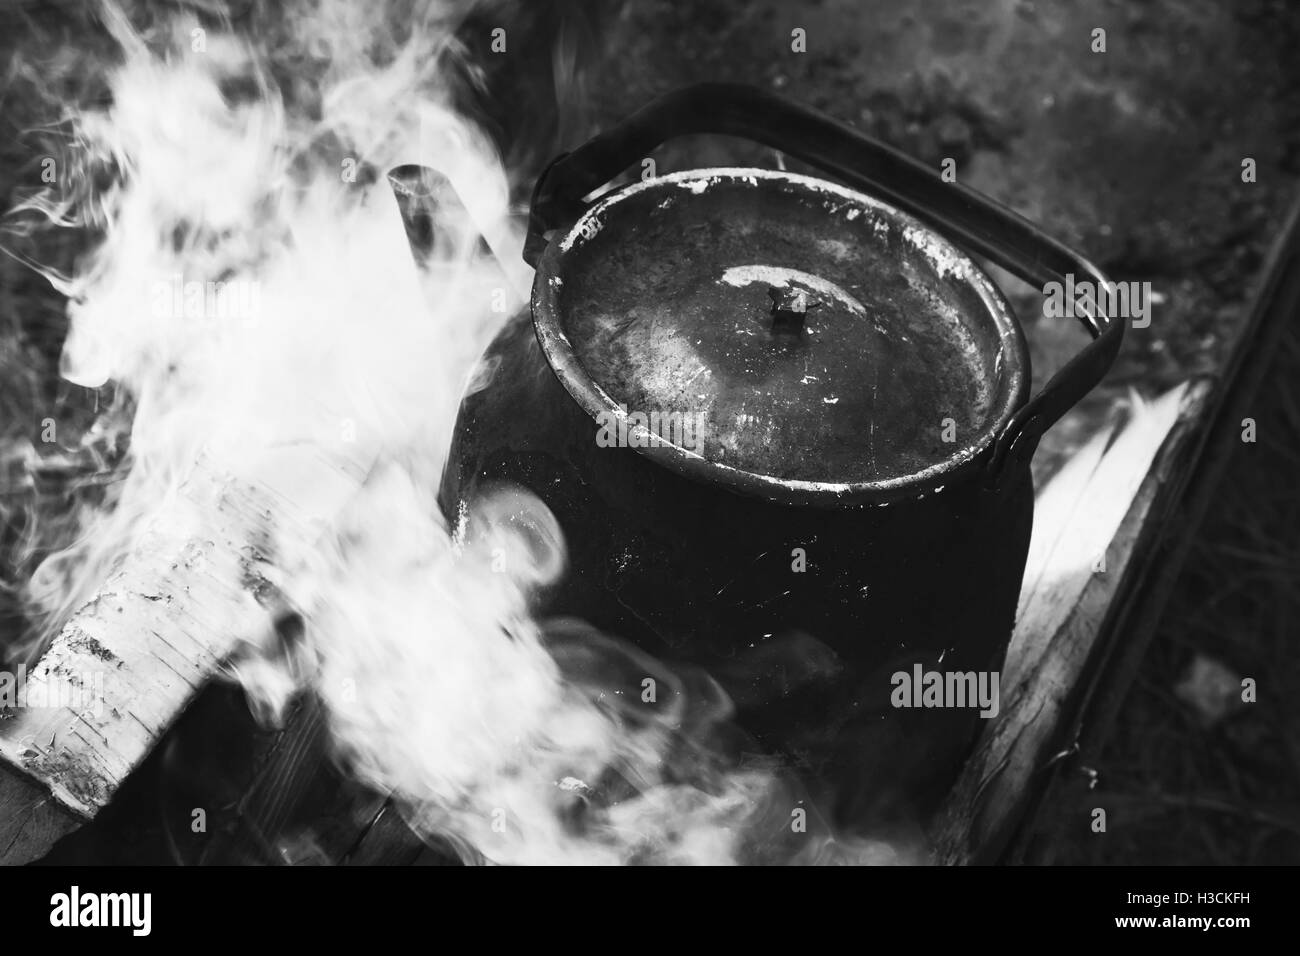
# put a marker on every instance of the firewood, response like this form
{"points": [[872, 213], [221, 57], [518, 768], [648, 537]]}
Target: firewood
{"points": [[127, 664], [1088, 514]]}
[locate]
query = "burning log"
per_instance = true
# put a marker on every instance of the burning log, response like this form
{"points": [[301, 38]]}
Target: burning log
{"points": [[188, 594], [128, 663], [188, 590]]}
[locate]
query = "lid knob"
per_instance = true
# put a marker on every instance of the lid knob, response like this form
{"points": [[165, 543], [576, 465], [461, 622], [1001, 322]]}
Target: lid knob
{"points": [[790, 305]]}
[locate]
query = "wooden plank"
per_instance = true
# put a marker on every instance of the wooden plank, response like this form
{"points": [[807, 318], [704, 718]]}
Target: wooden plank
{"points": [[30, 819], [1068, 624], [1093, 506], [1193, 479]]}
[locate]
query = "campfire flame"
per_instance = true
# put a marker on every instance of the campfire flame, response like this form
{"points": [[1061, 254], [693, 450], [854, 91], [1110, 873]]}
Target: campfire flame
{"points": [[516, 740]]}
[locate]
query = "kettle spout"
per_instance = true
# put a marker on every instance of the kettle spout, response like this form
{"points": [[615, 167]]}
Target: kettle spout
{"points": [[439, 225], [424, 197]]}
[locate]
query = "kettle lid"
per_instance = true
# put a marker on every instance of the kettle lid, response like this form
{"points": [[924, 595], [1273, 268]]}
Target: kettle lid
{"points": [[782, 326]]}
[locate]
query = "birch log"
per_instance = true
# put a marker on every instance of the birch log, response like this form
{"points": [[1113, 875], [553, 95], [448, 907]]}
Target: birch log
{"points": [[127, 664]]}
